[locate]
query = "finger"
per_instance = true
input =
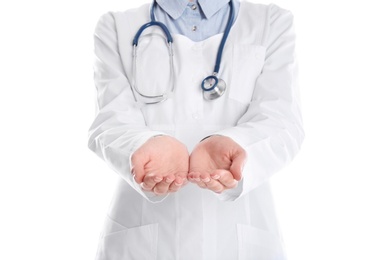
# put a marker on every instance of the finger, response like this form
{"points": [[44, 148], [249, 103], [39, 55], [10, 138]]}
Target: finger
{"points": [[163, 186], [138, 173], [176, 184], [205, 177], [146, 188], [179, 180], [138, 169], [214, 185], [202, 185], [185, 182], [150, 181], [194, 176], [226, 179], [215, 175], [238, 164]]}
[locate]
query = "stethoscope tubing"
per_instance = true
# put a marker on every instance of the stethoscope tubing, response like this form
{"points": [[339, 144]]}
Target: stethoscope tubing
{"points": [[213, 89], [149, 24], [224, 38]]}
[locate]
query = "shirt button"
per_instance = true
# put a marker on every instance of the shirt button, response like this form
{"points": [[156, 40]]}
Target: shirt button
{"points": [[193, 7], [194, 28]]}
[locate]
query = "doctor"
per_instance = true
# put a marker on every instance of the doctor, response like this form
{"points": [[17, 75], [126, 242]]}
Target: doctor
{"points": [[204, 92]]}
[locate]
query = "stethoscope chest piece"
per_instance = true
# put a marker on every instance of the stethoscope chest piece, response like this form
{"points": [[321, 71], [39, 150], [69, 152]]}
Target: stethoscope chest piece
{"points": [[213, 87]]}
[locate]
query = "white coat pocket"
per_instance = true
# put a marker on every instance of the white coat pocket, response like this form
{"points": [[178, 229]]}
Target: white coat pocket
{"points": [[247, 62], [136, 243], [258, 244]]}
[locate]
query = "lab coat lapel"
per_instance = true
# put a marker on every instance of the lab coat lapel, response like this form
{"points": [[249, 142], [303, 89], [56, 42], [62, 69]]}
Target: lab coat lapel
{"points": [[131, 24]]}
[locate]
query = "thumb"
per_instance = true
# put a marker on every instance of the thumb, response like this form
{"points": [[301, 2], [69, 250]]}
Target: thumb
{"points": [[238, 165]]}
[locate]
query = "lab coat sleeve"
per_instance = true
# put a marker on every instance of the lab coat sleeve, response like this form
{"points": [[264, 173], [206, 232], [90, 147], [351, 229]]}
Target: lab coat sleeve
{"points": [[119, 128], [271, 130]]}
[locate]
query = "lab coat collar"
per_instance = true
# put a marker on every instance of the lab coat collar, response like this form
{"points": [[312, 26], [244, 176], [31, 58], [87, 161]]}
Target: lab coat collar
{"points": [[175, 8]]}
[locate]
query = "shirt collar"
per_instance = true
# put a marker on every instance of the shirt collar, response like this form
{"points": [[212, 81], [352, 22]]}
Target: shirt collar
{"points": [[210, 7], [175, 8]]}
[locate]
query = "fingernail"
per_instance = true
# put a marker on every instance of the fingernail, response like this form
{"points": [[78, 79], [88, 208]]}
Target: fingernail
{"points": [[157, 179], [206, 180], [168, 180], [215, 177]]}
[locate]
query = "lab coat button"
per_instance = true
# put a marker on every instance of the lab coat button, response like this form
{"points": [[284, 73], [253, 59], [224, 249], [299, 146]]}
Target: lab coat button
{"points": [[193, 7]]}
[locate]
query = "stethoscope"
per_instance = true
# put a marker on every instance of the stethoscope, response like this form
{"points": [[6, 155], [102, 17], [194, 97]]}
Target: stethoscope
{"points": [[213, 87]]}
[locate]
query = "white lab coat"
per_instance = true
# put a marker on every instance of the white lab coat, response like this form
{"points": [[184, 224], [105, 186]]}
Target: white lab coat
{"points": [[260, 111]]}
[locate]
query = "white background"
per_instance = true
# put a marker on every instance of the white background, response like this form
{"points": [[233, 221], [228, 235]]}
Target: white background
{"points": [[333, 200]]}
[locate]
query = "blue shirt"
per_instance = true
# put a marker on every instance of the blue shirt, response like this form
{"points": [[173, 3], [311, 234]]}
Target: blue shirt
{"points": [[195, 19]]}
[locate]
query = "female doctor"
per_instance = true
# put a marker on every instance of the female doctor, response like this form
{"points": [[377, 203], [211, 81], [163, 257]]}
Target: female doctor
{"points": [[196, 108]]}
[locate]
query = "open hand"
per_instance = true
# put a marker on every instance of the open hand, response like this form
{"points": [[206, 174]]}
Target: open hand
{"points": [[160, 165], [216, 163]]}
